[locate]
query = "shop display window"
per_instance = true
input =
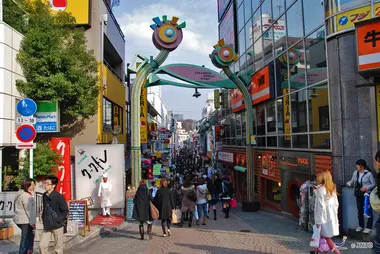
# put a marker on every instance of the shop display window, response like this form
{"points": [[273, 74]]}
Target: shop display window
{"points": [[273, 191]]}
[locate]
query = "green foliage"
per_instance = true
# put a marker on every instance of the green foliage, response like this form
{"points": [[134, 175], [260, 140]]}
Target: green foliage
{"points": [[56, 63], [14, 14], [45, 161]]}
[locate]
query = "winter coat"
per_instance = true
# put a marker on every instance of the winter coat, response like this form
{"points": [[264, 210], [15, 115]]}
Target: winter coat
{"points": [[214, 194], [201, 194], [141, 207], [25, 208], [164, 203], [177, 197], [367, 180], [55, 211], [187, 204], [326, 212]]}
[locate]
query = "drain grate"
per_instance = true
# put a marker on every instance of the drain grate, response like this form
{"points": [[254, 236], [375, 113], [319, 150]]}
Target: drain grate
{"points": [[245, 230]]}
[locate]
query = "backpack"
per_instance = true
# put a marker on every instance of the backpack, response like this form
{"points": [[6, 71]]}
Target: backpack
{"points": [[191, 195]]}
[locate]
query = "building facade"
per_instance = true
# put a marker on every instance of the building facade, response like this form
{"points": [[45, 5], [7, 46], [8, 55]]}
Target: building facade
{"points": [[209, 108], [309, 113]]}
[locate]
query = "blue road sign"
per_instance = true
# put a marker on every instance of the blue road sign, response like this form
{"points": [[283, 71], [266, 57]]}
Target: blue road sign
{"points": [[26, 107], [343, 20], [26, 133]]}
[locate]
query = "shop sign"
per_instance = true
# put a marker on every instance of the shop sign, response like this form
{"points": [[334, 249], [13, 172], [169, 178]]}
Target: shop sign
{"points": [[368, 45], [217, 133], [260, 86], [216, 99], [286, 106], [227, 157], [240, 159], [210, 142], [269, 165], [143, 116], [294, 161], [347, 20]]}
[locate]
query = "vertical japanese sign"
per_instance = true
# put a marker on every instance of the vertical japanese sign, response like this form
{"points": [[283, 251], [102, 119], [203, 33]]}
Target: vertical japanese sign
{"points": [[216, 99], [91, 162], [143, 116], [210, 142], [62, 146], [286, 105], [368, 45]]}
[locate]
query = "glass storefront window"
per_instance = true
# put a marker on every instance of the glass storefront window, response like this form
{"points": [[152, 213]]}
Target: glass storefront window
{"points": [[260, 111], [319, 115], [272, 141], [260, 141], [233, 125], [298, 111], [316, 57], [268, 45], [248, 10], [294, 23], [320, 141], [248, 34], [241, 49], [243, 124], [280, 41], [240, 17], [284, 141], [273, 191], [278, 8], [296, 59], [300, 141], [271, 117], [282, 74], [314, 15], [258, 49], [238, 125]]}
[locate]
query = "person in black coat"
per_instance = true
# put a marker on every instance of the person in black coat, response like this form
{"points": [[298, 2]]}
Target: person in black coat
{"points": [[227, 194], [165, 205], [141, 209]]}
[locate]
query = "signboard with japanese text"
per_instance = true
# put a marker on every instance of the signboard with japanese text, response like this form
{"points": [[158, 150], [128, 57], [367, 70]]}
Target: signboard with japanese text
{"points": [[91, 162], [227, 157], [7, 204], [62, 146], [286, 106], [368, 45], [347, 20], [210, 142], [227, 27], [143, 116], [47, 116]]}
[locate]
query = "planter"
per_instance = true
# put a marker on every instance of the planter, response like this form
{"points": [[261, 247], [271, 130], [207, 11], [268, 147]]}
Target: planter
{"points": [[6, 233]]}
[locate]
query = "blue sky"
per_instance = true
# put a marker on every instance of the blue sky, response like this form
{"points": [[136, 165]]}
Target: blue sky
{"points": [[200, 35]]}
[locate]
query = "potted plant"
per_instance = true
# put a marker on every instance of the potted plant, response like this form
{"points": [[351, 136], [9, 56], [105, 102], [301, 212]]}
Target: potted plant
{"points": [[6, 230]]}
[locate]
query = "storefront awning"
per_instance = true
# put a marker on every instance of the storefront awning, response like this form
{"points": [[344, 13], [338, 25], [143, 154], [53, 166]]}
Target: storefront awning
{"points": [[241, 169]]}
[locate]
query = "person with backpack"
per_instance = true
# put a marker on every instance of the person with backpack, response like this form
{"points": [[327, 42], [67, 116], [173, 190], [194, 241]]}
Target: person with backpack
{"points": [[189, 198], [226, 196], [363, 182]]}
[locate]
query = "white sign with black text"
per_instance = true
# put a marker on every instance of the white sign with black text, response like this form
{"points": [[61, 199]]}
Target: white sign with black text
{"points": [[227, 157]]}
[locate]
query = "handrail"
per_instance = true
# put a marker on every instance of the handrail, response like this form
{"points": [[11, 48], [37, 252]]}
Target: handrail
{"points": [[114, 19]]}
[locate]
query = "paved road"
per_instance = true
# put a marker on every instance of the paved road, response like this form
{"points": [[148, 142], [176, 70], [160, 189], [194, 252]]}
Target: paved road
{"points": [[242, 233]]}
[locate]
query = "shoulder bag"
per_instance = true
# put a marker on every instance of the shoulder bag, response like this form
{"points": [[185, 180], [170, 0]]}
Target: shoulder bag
{"points": [[154, 211]]}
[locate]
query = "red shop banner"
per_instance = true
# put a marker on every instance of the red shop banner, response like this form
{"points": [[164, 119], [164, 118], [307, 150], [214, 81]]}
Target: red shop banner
{"points": [[62, 146]]}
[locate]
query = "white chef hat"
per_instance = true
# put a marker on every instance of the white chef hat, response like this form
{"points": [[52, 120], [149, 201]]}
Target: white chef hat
{"points": [[105, 175]]}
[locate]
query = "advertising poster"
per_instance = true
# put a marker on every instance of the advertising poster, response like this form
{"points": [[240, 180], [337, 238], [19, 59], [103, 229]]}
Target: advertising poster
{"points": [[91, 162], [62, 146], [222, 6], [227, 27], [237, 100]]}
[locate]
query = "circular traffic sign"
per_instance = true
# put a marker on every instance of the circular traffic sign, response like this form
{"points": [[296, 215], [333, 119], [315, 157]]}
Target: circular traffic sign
{"points": [[26, 133], [26, 107]]}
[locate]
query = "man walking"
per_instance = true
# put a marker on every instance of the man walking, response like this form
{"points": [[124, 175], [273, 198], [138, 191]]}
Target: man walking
{"points": [[104, 193], [54, 214]]}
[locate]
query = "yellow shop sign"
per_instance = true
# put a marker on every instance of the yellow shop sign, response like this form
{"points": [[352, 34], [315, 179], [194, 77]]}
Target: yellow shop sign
{"points": [[347, 20]]}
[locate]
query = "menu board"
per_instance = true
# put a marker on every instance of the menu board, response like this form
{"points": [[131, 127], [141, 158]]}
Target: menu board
{"points": [[78, 212]]}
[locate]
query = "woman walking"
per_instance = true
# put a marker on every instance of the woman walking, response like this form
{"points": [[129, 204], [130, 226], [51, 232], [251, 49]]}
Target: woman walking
{"points": [[227, 193], [188, 201], [326, 208], [363, 182], [214, 197], [141, 209], [202, 201], [25, 215], [165, 205]]}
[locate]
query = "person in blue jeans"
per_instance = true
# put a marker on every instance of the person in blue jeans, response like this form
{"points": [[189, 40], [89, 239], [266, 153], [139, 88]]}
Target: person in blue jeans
{"points": [[202, 191]]}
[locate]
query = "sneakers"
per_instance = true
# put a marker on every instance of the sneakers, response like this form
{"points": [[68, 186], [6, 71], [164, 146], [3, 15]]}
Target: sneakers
{"points": [[164, 235], [367, 231], [169, 232], [359, 229]]}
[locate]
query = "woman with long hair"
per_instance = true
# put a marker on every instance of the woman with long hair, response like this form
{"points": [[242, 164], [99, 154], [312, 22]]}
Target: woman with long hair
{"points": [[326, 208], [25, 215], [165, 205], [227, 194], [214, 196], [141, 209]]}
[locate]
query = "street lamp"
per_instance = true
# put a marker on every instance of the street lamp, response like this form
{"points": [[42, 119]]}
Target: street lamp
{"points": [[196, 94]]}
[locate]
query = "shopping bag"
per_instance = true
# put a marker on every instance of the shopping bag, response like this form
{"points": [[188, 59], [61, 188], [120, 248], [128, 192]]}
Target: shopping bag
{"points": [[323, 247], [315, 237], [154, 212], [174, 217], [367, 206], [196, 213], [179, 215], [233, 203]]}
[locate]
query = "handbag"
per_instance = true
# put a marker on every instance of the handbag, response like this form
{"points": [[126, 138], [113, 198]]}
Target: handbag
{"points": [[233, 203], [367, 206], [315, 237], [323, 247], [154, 212], [174, 217]]}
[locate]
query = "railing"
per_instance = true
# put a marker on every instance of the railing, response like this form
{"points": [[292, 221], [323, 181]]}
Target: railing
{"points": [[114, 19], [113, 71]]}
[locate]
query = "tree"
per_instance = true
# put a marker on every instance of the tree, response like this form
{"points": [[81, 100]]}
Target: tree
{"points": [[14, 15], [45, 162], [56, 63]]}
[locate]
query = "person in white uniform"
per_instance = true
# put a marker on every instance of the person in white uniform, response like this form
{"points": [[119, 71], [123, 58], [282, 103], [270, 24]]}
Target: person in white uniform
{"points": [[104, 194]]}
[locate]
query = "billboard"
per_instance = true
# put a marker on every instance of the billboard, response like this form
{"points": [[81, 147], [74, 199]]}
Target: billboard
{"points": [[227, 27], [237, 100], [91, 162], [62, 146], [260, 87], [222, 6]]}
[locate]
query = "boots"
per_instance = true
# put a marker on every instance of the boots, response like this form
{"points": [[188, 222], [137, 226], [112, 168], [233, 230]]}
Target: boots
{"points": [[141, 228], [182, 219], [190, 219], [214, 214], [150, 226], [204, 221], [227, 212]]}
